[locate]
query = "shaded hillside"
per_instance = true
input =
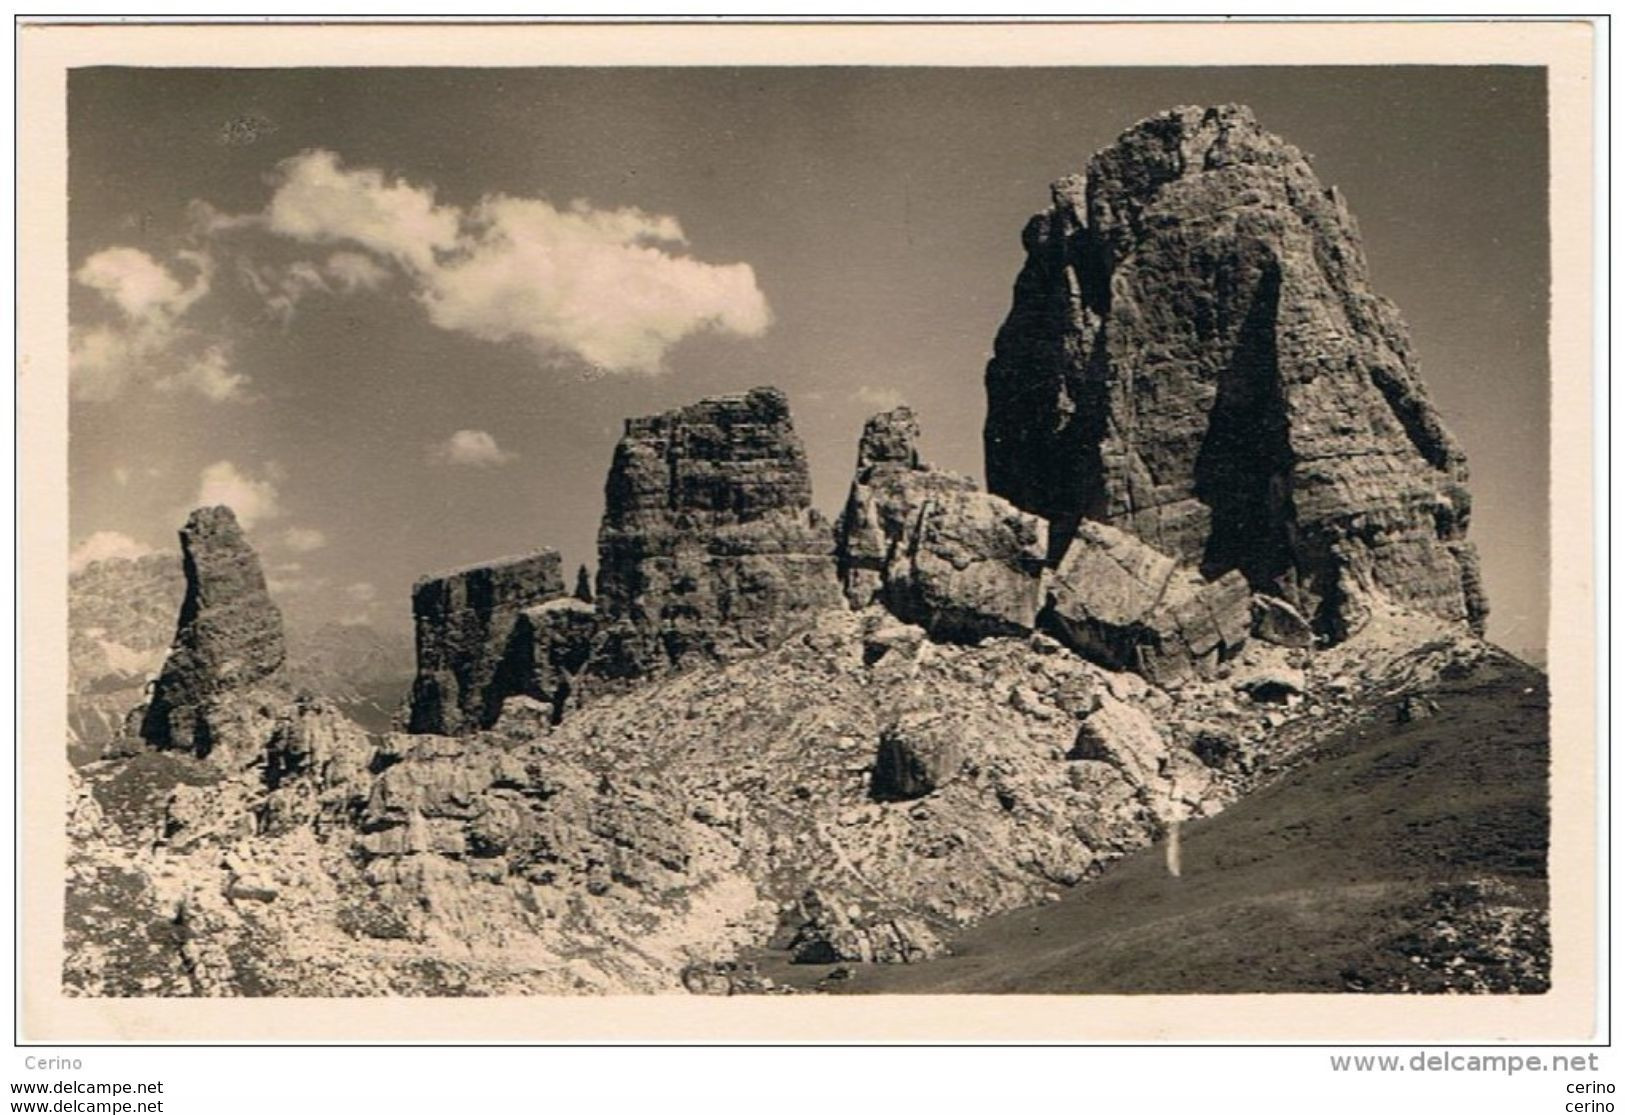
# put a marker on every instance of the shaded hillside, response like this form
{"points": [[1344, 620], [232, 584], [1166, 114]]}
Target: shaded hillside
{"points": [[1404, 856]]}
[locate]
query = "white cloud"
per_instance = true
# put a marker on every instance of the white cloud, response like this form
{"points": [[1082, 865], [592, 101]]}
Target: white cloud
{"points": [[251, 499], [141, 346], [474, 448], [881, 398], [281, 288], [354, 271], [320, 202], [121, 476], [284, 287], [209, 375], [600, 284], [141, 287], [302, 540], [608, 286], [297, 280], [103, 360], [613, 288], [105, 544]]}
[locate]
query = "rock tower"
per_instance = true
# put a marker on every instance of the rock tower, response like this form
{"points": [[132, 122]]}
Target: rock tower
{"points": [[1194, 355], [229, 635]]}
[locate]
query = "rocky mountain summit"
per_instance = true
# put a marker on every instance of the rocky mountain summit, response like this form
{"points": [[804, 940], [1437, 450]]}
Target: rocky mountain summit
{"points": [[229, 636], [1194, 355], [1224, 526], [121, 620], [709, 542], [709, 548]]}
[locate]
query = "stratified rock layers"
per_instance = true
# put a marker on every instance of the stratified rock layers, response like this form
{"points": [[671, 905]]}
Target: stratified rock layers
{"points": [[709, 543], [465, 621], [934, 550], [708, 547], [1194, 355], [229, 635], [1124, 604]]}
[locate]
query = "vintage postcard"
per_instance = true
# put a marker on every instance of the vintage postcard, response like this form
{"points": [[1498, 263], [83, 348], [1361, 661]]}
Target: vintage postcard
{"points": [[1053, 532]]}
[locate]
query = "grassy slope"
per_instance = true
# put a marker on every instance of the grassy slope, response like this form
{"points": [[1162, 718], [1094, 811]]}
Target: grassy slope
{"points": [[1315, 883]]}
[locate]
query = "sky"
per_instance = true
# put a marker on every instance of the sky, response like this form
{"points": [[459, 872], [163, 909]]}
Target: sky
{"points": [[396, 317]]}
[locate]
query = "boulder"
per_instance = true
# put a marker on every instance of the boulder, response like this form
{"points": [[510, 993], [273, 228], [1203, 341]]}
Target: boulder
{"points": [[918, 754], [1198, 625], [1124, 736], [1124, 604], [1219, 749], [1107, 582], [891, 642], [1273, 685], [1275, 621], [1413, 707], [1194, 355], [931, 548], [228, 639], [465, 620]]}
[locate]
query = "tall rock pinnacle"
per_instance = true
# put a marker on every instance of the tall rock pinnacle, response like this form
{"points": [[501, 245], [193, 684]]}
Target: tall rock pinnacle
{"points": [[709, 546], [709, 541], [229, 635], [1194, 355]]}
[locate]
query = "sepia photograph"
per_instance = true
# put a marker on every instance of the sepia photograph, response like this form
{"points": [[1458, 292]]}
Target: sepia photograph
{"points": [[831, 532]]}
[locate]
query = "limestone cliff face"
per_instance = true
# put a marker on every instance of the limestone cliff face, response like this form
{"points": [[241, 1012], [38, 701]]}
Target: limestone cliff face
{"points": [[708, 547], [465, 620], [228, 638], [1194, 355], [931, 547], [709, 542]]}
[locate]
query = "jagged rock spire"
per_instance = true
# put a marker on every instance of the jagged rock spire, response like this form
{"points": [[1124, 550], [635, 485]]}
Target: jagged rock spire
{"points": [[932, 547], [709, 541], [1194, 354], [229, 635]]}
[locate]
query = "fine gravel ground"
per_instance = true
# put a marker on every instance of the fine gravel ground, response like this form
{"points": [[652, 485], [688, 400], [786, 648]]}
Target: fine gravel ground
{"points": [[1398, 856]]}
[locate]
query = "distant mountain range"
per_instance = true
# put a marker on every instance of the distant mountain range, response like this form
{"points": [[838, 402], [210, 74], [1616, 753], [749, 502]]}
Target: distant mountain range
{"points": [[362, 669]]}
